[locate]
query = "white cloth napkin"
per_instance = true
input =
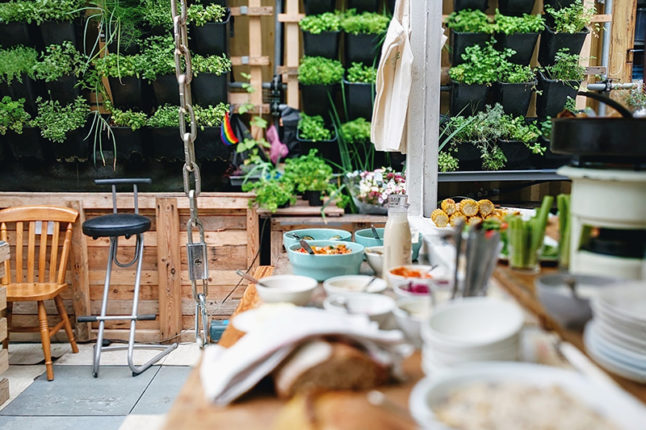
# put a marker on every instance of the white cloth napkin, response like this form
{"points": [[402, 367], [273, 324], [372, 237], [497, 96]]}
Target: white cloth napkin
{"points": [[228, 373]]}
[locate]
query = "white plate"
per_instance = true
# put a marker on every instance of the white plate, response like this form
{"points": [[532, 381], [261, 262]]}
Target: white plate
{"points": [[613, 403], [615, 352], [627, 302], [611, 317], [248, 320], [611, 364], [620, 337]]}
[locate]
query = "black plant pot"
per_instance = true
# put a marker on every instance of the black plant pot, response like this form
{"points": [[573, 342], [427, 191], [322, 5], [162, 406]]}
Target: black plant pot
{"points": [[460, 41], [522, 43], [314, 198], [558, 4], [517, 154], [554, 95], [363, 48], [316, 99], [63, 89], [211, 38], [325, 44], [364, 5], [468, 99], [551, 43], [316, 7], [515, 98], [390, 6], [516, 7], [550, 160], [164, 143], [328, 149], [359, 99], [128, 92], [166, 90], [209, 89], [129, 143], [209, 146], [15, 33], [28, 146], [220, 2], [55, 33], [470, 4], [468, 156], [28, 89], [75, 148]]}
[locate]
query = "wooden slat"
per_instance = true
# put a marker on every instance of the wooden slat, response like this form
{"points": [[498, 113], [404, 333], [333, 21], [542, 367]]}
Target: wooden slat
{"points": [[291, 18], [250, 61], [253, 238], [3, 329], [622, 39], [53, 258], [4, 390], [169, 267], [4, 251], [79, 269], [4, 361], [253, 11], [292, 54], [31, 250], [584, 59], [19, 243], [5, 268], [3, 298], [42, 252]]}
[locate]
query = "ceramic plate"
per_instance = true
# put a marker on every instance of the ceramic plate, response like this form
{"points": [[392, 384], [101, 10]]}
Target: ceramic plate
{"points": [[613, 365], [614, 351], [248, 320]]}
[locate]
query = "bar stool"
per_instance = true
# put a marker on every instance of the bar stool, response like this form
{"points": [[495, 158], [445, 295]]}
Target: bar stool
{"points": [[114, 226]]}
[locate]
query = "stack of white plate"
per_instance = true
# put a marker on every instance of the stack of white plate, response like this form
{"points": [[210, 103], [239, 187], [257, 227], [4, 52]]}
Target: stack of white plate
{"points": [[616, 336], [471, 329]]}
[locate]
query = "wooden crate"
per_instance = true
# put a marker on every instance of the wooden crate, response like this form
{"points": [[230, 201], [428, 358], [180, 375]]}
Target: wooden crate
{"points": [[4, 354], [231, 231]]}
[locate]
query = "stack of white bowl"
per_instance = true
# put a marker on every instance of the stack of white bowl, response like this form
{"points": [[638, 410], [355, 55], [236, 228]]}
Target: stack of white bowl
{"points": [[471, 329], [616, 336]]}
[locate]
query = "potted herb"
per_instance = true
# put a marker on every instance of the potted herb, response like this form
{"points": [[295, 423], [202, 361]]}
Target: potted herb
{"points": [[364, 36], [22, 138], [459, 5], [124, 76], [566, 29], [557, 82], [515, 88], [313, 134], [364, 5], [121, 22], [17, 75], [519, 140], [210, 79], [519, 33], [317, 7], [159, 69], [516, 7], [271, 193], [126, 126], [321, 35], [15, 20], [549, 160], [208, 28], [558, 4], [471, 81], [356, 137], [60, 66], [359, 88], [319, 78], [462, 136], [65, 126], [208, 145], [468, 28], [58, 21], [311, 175]]}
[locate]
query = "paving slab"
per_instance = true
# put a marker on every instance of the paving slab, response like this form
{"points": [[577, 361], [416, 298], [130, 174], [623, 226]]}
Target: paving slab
{"points": [[74, 392], [162, 391], [32, 353], [61, 423], [20, 377]]}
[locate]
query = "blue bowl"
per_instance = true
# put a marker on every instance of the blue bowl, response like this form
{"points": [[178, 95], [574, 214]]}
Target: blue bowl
{"points": [[367, 239], [316, 234], [322, 267]]}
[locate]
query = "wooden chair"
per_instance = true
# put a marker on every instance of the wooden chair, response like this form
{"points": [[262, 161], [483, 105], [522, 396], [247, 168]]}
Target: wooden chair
{"points": [[40, 222]]}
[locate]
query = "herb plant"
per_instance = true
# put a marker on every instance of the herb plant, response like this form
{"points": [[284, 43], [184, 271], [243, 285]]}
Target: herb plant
{"points": [[446, 162], [313, 128], [199, 15], [164, 116], [158, 58], [17, 11], [516, 74], [157, 13], [215, 64], [13, 116], [16, 62], [518, 24], [320, 70], [571, 19], [210, 116], [317, 24], [481, 65], [271, 192], [636, 99], [515, 128], [56, 121], [57, 10], [121, 22], [565, 68], [364, 23], [309, 172], [120, 66], [58, 61], [129, 118], [356, 131], [470, 21], [360, 73]]}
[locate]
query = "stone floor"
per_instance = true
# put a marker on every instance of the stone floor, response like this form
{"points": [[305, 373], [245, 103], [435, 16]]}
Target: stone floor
{"points": [[75, 399]]}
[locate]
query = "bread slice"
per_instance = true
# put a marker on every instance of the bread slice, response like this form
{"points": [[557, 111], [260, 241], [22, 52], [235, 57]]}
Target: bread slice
{"points": [[320, 366]]}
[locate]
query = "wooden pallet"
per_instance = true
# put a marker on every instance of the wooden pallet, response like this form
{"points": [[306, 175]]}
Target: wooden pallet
{"points": [[4, 354]]}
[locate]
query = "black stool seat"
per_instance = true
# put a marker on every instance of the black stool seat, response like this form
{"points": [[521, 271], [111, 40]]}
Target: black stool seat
{"points": [[116, 225]]}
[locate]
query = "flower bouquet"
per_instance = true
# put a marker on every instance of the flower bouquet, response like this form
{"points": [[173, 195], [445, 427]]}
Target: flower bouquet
{"points": [[370, 189]]}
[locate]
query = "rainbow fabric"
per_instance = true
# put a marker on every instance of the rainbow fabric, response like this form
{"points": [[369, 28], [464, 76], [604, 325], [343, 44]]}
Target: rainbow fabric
{"points": [[227, 135]]}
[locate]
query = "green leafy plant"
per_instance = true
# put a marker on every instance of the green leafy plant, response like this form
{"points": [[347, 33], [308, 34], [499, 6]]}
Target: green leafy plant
{"points": [[164, 116], [17, 11], [470, 21], [272, 192], [565, 68], [199, 15], [57, 10], [364, 23], [215, 64], [516, 74], [320, 70], [571, 19], [120, 66], [313, 128], [121, 22], [56, 121], [481, 65], [546, 129], [58, 61], [446, 162], [158, 58], [16, 62], [493, 158], [317, 24], [356, 131], [157, 13], [13, 115], [210, 116], [636, 99], [309, 172], [129, 118], [518, 24], [360, 73], [516, 128]]}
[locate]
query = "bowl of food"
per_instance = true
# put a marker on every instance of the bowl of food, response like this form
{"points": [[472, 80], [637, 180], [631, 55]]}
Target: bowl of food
{"points": [[286, 288], [330, 258], [411, 313], [352, 284], [367, 238], [377, 307], [292, 237], [375, 258]]}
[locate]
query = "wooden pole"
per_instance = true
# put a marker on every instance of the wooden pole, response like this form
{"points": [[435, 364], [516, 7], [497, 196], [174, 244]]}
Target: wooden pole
{"points": [[169, 268], [253, 241], [292, 53], [80, 275]]}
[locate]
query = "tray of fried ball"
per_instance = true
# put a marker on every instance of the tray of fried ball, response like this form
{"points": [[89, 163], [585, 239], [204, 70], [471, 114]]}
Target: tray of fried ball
{"points": [[470, 211]]}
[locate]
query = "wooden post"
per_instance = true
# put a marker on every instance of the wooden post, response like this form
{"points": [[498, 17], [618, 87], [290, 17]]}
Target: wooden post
{"points": [[255, 50], [4, 354], [291, 55], [253, 241], [80, 275], [169, 268]]}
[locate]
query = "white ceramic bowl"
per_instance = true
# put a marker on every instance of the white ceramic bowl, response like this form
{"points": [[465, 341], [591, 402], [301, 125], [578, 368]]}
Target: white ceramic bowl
{"points": [[375, 257], [411, 313], [353, 284], [403, 289], [287, 288], [377, 307], [439, 274]]}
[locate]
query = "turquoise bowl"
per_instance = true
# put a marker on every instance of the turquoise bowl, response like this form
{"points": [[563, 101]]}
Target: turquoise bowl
{"points": [[317, 234], [367, 239], [322, 267]]}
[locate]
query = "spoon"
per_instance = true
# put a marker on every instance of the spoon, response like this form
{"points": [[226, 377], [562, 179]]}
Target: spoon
{"points": [[250, 278], [365, 287], [307, 247], [294, 236], [375, 233]]}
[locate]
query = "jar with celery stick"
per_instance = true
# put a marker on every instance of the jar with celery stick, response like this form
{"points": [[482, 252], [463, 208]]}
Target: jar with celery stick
{"points": [[525, 238]]}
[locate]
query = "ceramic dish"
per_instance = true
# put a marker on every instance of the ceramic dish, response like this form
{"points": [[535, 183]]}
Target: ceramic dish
{"points": [[286, 288], [377, 307], [367, 239], [375, 258], [322, 267], [248, 320], [315, 234], [353, 284], [410, 314]]}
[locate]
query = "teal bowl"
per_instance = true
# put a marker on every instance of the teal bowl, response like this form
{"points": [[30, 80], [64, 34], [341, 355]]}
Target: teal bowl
{"points": [[316, 234], [367, 239], [322, 267]]}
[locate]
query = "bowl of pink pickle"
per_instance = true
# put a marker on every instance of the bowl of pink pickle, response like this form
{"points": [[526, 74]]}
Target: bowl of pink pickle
{"points": [[412, 280]]}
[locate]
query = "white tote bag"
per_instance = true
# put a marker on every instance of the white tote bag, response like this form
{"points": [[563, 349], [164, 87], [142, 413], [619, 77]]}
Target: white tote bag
{"points": [[394, 78]]}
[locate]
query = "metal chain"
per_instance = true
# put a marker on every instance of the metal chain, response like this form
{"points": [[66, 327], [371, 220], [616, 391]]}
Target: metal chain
{"points": [[191, 171]]}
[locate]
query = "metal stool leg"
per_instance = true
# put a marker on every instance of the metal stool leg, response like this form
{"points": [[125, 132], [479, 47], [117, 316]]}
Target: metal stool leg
{"points": [[104, 307]]}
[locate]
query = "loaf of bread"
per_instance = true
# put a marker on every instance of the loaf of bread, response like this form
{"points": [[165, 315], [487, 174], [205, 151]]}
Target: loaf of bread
{"points": [[321, 365]]}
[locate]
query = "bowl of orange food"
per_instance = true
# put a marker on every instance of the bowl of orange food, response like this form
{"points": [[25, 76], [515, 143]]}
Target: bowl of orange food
{"points": [[412, 280], [331, 258]]}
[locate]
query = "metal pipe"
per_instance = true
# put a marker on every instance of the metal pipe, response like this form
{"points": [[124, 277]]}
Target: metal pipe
{"points": [[605, 49], [278, 36], [265, 85]]}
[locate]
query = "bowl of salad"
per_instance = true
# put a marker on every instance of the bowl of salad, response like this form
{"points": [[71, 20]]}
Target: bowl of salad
{"points": [[330, 258]]}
